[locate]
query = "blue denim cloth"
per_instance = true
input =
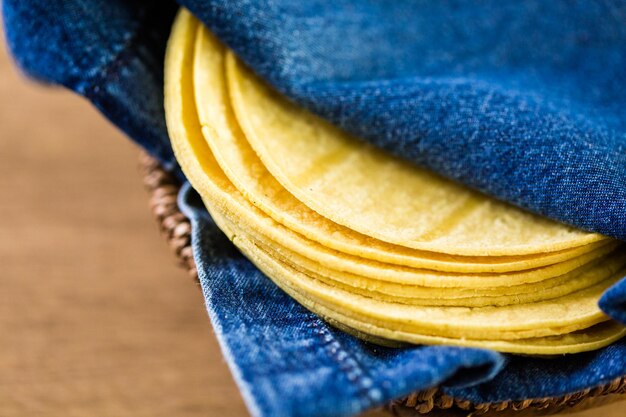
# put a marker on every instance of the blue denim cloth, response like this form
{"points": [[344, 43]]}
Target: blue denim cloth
{"points": [[524, 100]]}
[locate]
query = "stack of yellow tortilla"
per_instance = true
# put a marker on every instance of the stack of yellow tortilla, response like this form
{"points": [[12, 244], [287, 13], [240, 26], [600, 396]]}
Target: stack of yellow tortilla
{"points": [[375, 245]]}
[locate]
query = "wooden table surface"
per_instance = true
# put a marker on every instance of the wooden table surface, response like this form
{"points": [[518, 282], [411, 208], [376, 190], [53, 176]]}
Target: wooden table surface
{"points": [[95, 318]]}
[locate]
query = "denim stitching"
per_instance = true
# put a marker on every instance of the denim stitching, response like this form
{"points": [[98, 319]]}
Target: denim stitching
{"points": [[347, 364]]}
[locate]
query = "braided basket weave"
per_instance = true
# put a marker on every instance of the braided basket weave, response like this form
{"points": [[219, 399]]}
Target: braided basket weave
{"points": [[175, 227]]}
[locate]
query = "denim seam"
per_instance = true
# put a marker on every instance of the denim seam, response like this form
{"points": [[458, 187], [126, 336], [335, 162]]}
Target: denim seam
{"points": [[347, 364]]}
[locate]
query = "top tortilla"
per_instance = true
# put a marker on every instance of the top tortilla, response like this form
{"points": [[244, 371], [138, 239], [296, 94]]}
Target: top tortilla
{"points": [[378, 195]]}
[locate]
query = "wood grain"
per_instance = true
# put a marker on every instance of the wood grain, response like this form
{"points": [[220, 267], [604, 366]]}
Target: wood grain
{"points": [[95, 318]]}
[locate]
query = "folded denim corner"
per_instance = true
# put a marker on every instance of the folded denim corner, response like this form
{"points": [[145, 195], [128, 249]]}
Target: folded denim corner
{"points": [[613, 301], [488, 364], [109, 52]]}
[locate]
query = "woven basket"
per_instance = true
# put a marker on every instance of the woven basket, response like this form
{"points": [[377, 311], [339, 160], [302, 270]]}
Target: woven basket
{"points": [[163, 189]]}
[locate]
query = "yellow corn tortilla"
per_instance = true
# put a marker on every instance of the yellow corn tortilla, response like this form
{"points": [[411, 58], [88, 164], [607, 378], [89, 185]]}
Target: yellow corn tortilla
{"points": [[371, 192], [580, 278], [201, 168], [238, 207], [246, 171], [548, 318], [206, 176], [594, 337], [545, 318], [598, 269]]}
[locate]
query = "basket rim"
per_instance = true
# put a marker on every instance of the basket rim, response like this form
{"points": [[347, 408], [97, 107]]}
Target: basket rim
{"points": [[163, 188]]}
